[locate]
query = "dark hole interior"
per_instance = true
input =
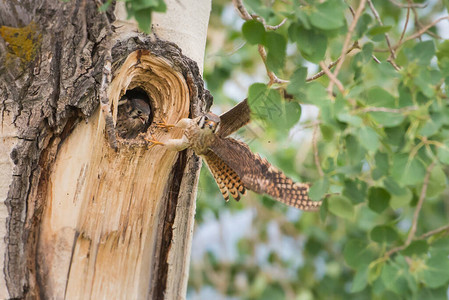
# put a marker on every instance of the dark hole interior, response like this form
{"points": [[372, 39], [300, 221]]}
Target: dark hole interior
{"points": [[134, 114]]}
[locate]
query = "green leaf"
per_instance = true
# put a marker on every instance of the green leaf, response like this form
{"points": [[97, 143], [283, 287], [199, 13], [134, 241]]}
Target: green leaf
{"points": [[143, 18], [384, 234], [257, 92], [341, 207], [154, 5], [387, 119], [318, 189], [378, 199], [424, 81], [440, 246], [276, 45], [443, 50], [443, 153], [376, 30], [407, 170], [328, 15], [368, 138], [311, 44], [355, 190], [432, 294], [327, 132], [254, 32], [346, 117], [402, 199], [358, 254], [423, 53], [367, 52], [394, 279], [437, 182], [429, 128], [355, 152], [104, 7], [258, 101], [416, 248], [272, 291], [297, 83], [379, 97], [316, 94], [265, 103], [360, 280], [382, 166], [436, 271], [362, 25]]}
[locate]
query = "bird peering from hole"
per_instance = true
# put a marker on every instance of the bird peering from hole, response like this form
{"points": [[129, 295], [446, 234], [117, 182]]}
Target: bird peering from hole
{"points": [[234, 167], [133, 115]]}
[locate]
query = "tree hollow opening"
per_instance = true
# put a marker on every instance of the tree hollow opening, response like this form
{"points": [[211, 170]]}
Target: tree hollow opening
{"points": [[134, 114]]}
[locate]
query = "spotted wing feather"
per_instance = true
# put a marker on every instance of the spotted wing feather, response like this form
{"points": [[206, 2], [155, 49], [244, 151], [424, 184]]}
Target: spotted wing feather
{"points": [[260, 176], [227, 180]]}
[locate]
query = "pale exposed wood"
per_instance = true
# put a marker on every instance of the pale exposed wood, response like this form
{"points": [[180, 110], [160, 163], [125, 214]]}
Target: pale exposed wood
{"points": [[103, 208]]}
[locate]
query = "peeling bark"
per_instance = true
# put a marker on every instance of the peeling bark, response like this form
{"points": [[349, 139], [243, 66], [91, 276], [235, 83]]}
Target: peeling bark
{"points": [[75, 206]]}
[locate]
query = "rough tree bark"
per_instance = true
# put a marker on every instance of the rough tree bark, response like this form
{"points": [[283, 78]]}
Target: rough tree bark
{"points": [[82, 220]]}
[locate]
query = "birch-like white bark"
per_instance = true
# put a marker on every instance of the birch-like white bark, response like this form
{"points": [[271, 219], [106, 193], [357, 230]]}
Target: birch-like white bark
{"points": [[8, 138]]}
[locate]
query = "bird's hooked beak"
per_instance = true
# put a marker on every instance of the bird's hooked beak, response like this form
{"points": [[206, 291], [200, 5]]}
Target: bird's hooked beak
{"points": [[142, 119], [211, 124]]}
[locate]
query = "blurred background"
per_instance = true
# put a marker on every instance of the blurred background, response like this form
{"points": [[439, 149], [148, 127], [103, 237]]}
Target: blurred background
{"points": [[261, 249]]}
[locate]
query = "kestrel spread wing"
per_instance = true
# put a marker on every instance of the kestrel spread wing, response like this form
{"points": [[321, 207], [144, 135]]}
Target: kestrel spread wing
{"points": [[234, 119], [258, 174], [227, 180]]}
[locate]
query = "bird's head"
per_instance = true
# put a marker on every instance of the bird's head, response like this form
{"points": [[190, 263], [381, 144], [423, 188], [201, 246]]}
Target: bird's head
{"points": [[140, 110], [209, 122]]}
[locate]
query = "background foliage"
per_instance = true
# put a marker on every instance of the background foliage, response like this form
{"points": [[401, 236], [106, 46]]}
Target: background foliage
{"points": [[378, 145], [373, 140]]}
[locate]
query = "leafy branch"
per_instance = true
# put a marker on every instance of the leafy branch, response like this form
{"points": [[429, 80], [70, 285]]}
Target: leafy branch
{"points": [[412, 232], [245, 15]]}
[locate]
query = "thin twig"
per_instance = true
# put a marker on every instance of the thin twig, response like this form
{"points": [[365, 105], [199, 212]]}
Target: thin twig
{"points": [[375, 59], [422, 31], [409, 5], [416, 34], [345, 48], [351, 9], [355, 45], [390, 110], [405, 25], [321, 73], [387, 38], [245, 15], [315, 150], [422, 196], [332, 78], [271, 75], [418, 24], [270, 27], [433, 232]]}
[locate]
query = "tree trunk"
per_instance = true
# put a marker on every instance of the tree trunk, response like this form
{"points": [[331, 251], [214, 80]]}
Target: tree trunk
{"points": [[83, 220]]}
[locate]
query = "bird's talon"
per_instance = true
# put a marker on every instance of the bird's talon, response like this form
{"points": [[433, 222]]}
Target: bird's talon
{"points": [[164, 124], [153, 143]]}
